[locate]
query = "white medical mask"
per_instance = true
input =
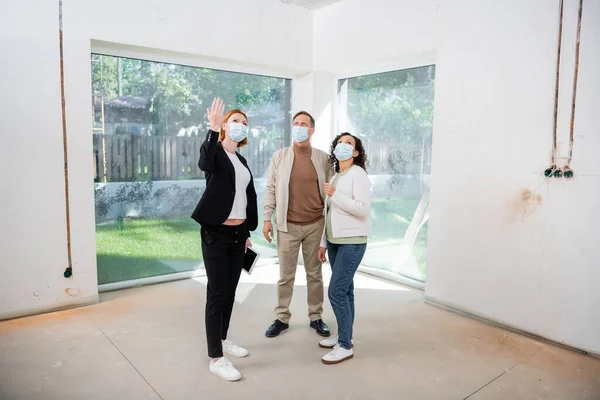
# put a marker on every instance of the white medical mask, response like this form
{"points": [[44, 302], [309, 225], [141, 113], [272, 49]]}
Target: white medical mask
{"points": [[299, 133], [343, 151], [237, 131]]}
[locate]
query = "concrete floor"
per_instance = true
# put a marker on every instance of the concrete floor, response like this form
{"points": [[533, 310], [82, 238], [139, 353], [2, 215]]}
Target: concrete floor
{"points": [[148, 343]]}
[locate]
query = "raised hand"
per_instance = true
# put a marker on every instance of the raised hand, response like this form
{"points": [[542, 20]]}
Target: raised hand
{"points": [[215, 114]]}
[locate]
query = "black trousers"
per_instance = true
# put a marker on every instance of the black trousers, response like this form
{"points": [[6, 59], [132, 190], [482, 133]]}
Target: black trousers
{"points": [[223, 253]]}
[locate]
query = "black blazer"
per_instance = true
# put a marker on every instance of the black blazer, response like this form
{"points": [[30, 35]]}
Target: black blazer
{"points": [[217, 201]]}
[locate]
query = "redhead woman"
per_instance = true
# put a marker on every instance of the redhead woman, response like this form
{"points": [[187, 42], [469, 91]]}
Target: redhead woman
{"points": [[227, 213]]}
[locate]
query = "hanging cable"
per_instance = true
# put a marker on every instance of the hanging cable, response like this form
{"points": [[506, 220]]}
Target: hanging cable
{"points": [[572, 128], [556, 87], [69, 270]]}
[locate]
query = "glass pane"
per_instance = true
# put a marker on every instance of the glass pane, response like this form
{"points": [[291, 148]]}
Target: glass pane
{"points": [[149, 124], [392, 113]]}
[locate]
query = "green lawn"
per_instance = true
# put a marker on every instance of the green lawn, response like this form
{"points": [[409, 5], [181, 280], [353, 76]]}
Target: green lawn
{"points": [[391, 217], [148, 247]]}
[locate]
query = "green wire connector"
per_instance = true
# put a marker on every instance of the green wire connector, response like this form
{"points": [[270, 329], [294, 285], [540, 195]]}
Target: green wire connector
{"points": [[568, 174]]}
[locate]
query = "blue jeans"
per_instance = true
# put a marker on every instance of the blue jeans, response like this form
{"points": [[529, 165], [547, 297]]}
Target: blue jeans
{"points": [[344, 260]]}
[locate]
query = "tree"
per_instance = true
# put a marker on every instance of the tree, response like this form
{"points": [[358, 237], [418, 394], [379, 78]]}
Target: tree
{"points": [[178, 95], [393, 113], [395, 107]]}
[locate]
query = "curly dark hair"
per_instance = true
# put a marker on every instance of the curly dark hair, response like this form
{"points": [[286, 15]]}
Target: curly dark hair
{"points": [[360, 160]]}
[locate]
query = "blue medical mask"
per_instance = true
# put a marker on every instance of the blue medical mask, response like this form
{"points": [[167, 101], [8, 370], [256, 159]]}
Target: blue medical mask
{"points": [[343, 151], [299, 133], [237, 131]]}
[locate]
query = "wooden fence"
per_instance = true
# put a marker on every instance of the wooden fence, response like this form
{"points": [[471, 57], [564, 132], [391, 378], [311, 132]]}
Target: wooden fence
{"points": [[126, 158]]}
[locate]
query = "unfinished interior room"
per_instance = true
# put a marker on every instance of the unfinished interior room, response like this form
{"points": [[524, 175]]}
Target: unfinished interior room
{"points": [[300, 199]]}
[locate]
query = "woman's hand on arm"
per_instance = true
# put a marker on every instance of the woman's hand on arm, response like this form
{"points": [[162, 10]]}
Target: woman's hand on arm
{"points": [[329, 189]]}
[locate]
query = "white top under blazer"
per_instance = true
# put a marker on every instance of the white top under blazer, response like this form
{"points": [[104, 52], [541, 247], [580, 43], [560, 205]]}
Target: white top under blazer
{"points": [[242, 179]]}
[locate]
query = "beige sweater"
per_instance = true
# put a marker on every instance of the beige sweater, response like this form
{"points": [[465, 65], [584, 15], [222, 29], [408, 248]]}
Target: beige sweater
{"points": [[278, 181]]}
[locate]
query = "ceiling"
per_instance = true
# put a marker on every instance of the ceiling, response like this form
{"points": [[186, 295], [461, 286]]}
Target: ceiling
{"points": [[310, 4]]}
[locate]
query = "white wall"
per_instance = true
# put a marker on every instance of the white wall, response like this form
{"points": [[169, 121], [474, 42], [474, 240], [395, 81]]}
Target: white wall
{"points": [[33, 244], [532, 264], [355, 37], [262, 36], [352, 38], [490, 252]]}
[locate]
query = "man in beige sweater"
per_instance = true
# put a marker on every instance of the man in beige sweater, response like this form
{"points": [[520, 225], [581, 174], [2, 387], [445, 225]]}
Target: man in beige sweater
{"points": [[294, 192]]}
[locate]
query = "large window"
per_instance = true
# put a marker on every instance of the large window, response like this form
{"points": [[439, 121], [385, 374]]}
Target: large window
{"points": [[392, 113], [149, 123]]}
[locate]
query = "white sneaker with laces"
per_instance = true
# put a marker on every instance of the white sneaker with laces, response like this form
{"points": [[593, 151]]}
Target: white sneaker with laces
{"points": [[231, 348], [330, 342], [225, 369], [337, 355]]}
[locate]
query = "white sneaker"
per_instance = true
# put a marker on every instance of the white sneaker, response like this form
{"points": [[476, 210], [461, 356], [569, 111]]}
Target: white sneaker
{"points": [[330, 342], [225, 369], [231, 348], [337, 355]]}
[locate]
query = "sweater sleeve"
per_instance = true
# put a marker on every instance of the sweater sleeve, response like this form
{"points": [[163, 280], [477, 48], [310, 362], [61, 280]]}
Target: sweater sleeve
{"points": [[324, 235], [269, 199]]}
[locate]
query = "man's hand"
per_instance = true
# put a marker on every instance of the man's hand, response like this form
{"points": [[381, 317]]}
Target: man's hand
{"points": [[321, 255], [268, 231]]}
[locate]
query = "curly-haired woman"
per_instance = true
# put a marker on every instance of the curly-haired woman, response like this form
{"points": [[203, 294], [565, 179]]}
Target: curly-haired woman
{"points": [[345, 237]]}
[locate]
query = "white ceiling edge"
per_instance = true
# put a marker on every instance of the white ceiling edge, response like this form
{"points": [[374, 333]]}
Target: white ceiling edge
{"points": [[310, 4]]}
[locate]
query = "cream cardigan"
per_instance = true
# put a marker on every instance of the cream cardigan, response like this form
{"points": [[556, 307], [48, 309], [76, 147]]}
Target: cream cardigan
{"points": [[350, 205]]}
